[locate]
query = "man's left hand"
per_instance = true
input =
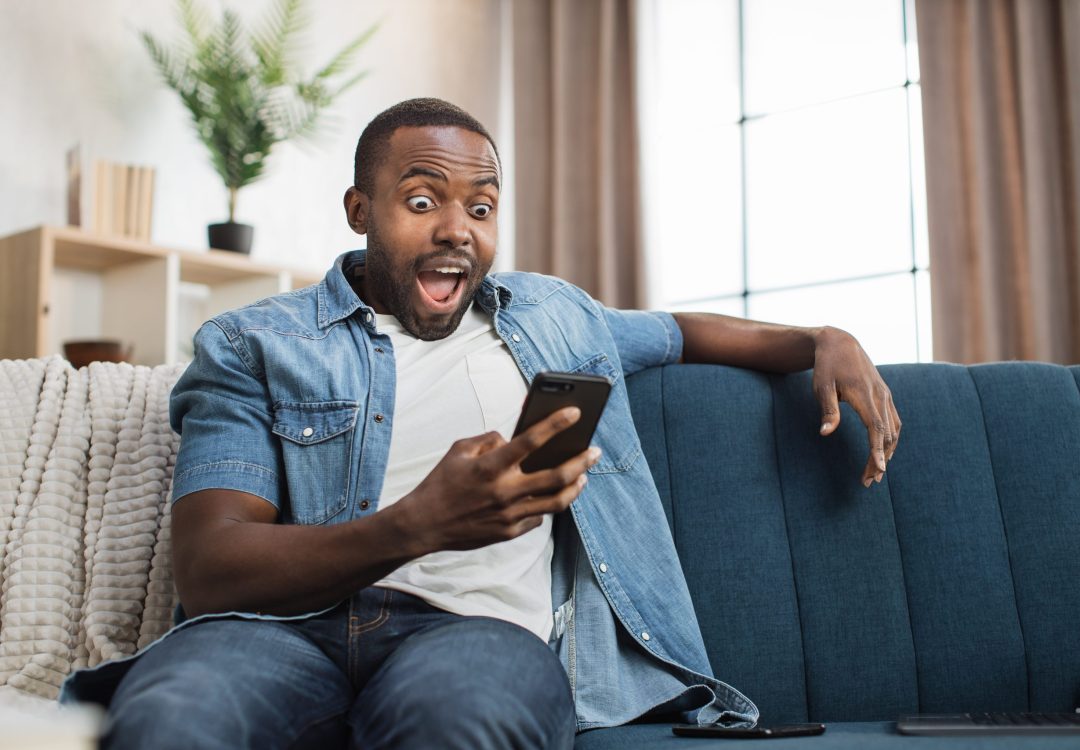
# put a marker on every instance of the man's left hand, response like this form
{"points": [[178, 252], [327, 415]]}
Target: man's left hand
{"points": [[843, 372]]}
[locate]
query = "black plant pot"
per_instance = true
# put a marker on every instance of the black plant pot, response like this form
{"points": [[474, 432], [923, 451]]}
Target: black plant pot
{"points": [[231, 236]]}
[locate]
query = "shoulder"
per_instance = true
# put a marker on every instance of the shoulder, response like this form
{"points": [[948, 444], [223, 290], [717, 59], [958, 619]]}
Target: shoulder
{"points": [[293, 313], [534, 288]]}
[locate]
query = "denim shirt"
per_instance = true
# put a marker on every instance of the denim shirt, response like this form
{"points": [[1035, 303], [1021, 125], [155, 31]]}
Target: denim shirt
{"points": [[292, 399]]}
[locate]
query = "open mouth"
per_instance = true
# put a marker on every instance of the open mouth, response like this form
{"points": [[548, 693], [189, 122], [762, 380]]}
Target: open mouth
{"points": [[441, 285]]}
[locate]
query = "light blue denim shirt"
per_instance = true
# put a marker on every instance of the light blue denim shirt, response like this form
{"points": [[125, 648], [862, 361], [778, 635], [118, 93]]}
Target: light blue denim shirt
{"points": [[292, 399]]}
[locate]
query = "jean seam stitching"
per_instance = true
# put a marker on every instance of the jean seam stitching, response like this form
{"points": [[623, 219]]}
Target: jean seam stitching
{"points": [[380, 619]]}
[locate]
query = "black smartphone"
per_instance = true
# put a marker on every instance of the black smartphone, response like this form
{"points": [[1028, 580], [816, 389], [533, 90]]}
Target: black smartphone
{"points": [[551, 391], [758, 732]]}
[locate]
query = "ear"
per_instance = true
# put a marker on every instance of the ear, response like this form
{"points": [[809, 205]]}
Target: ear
{"points": [[357, 206]]}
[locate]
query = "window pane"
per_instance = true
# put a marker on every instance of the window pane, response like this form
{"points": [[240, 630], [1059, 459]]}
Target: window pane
{"points": [[697, 60], [918, 178], [800, 52], [880, 313], [912, 41], [827, 192], [695, 223], [926, 331], [727, 306]]}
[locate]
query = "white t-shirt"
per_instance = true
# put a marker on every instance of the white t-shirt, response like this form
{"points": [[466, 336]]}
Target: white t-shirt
{"points": [[457, 387]]}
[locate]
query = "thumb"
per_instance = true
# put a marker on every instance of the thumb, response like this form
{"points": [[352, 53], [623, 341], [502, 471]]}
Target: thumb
{"points": [[830, 408]]}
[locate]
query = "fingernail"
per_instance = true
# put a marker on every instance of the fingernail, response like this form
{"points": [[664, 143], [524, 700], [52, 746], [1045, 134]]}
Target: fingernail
{"points": [[594, 454], [867, 482], [583, 480], [878, 478], [573, 412], [824, 428]]}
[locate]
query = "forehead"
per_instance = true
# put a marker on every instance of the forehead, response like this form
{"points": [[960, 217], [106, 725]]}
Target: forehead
{"points": [[452, 150]]}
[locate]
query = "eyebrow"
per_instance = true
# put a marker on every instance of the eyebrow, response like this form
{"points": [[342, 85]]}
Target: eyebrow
{"points": [[490, 180], [422, 171], [427, 172]]}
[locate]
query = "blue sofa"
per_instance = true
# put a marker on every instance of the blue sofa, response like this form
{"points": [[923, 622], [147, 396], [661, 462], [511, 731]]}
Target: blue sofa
{"points": [[954, 585]]}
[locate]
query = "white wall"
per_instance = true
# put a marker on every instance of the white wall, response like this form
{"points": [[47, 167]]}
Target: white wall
{"points": [[77, 72]]}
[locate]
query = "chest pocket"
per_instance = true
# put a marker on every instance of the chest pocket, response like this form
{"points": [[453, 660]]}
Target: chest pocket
{"points": [[614, 435], [316, 446]]}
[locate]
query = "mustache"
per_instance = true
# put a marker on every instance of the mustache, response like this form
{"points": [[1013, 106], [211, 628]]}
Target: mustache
{"points": [[456, 253]]}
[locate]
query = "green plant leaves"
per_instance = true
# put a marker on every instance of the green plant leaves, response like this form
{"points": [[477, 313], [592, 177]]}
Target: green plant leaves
{"points": [[244, 91]]}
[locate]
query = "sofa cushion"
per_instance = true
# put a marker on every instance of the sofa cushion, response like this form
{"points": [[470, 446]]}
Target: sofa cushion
{"points": [[949, 586], [838, 736]]}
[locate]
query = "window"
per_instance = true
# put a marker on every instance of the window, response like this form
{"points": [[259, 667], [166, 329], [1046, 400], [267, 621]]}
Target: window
{"points": [[783, 174]]}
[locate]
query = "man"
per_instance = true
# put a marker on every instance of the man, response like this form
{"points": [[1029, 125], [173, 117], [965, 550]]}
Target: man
{"points": [[361, 558]]}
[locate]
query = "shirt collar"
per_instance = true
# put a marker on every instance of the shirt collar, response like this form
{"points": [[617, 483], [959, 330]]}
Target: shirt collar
{"points": [[338, 301]]}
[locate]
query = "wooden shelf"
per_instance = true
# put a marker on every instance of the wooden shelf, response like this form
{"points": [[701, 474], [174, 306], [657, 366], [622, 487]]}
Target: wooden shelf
{"points": [[140, 301]]}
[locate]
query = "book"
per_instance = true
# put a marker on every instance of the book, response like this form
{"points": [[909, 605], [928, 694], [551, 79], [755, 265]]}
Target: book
{"points": [[74, 186], [118, 201]]}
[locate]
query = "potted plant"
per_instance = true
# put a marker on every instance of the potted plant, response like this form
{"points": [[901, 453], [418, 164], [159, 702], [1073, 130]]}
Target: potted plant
{"points": [[246, 94]]}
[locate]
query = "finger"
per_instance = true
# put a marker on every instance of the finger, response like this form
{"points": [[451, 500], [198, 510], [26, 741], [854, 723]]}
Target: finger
{"points": [[830, 407], [887, 438], [556, 503], [547, 481], [869, 472], [528, 441], [478, 444], [875, 464], [895, 423]]}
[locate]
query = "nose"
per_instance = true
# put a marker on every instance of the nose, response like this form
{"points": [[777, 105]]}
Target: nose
{"points": [[452, 229]]}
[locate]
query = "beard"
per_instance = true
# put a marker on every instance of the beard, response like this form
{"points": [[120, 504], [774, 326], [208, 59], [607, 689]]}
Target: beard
{"points": [[393, 284]]}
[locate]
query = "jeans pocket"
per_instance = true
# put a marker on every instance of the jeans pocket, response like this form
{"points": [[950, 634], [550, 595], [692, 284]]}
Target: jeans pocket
{"points": [[316, 447]]}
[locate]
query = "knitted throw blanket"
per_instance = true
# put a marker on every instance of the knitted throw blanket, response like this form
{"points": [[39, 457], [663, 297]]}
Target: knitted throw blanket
{"points": [[86, 461]]}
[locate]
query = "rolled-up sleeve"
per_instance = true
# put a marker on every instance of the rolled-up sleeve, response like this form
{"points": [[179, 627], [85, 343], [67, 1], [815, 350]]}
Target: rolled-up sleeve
{"points": [[225, 418], [644, 338]]}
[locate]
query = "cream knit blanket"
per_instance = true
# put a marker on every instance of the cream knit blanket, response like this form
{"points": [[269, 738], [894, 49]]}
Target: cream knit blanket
{"points": [[86, 462]]}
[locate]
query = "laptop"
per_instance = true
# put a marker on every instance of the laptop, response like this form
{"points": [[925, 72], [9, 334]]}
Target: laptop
{"points": [[990, 723]]}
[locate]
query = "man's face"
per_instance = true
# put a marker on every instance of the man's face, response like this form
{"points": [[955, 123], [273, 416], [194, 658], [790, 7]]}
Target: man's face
{"points": [[431, 227]]}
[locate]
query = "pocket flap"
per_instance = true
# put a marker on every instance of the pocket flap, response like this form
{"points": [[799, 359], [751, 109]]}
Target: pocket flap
{"points": [[598, 365], [313, 422]]}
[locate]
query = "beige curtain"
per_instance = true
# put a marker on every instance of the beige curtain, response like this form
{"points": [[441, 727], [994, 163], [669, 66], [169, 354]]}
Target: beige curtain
{"points": [[1001, 115], [576, 150]]}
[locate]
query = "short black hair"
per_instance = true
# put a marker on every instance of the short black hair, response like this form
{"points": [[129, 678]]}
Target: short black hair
{"points": [[412, 113]]}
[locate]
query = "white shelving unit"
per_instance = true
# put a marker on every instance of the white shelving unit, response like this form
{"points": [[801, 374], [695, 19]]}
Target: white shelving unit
{"points": [[146, 297]]}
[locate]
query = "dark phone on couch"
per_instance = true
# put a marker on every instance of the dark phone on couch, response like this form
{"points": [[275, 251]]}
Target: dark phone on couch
{"points": [[758, 732], [551, 391]]}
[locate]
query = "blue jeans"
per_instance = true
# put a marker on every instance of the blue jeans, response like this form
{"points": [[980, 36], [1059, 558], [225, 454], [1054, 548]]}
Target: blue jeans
{"points": [[383, 669]]}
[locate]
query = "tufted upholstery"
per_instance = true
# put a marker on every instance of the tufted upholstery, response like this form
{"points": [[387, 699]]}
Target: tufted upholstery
{"points": [[953, 585]]}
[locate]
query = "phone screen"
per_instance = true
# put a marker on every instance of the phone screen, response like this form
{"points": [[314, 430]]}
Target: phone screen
{"points": [[551, 391]]}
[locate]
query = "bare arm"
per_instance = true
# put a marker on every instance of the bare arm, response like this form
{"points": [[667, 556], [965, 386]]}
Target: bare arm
{"points": [[842, 371], [720, 339], [230, 554]]}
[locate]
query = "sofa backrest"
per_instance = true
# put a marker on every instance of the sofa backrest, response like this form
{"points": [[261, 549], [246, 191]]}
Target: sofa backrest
{"points": [[952, 585]]}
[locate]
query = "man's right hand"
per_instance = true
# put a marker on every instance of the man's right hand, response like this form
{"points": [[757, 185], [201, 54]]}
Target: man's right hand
{"points": [[478, 495], [230, 554]]}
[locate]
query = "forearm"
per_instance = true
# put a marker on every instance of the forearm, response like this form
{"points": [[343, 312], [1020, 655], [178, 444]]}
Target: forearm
{"points": [[288, 569], [721, 339]]}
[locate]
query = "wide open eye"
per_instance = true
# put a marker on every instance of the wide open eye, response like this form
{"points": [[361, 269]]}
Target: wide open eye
{"points": [[420, 203], [481, 210]]}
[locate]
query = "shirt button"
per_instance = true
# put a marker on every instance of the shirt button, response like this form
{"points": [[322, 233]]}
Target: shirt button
{"points": [[644, 635], [379, 417], [364, 504], [603, 567], [308, 432], [378, 350], [515, 338], [367, 317]]}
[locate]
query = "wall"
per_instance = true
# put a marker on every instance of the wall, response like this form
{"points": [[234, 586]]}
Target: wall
{"points": [[77, 72]]}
